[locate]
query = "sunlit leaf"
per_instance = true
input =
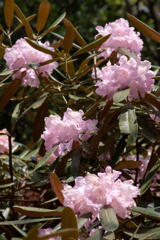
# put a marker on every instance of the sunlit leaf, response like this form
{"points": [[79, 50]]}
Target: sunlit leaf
{"points": [[143, 28], [57, 186]]}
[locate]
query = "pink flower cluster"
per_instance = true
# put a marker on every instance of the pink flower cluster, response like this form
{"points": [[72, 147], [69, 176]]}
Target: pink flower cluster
{"points": [[4, 146], [93, 192], [63, 132], [122, 36], [22, 58], [133, 74]]}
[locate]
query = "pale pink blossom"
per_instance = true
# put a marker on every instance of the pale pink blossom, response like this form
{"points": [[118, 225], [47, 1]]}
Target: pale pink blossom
{"points": [[133, 74], [93, 192], [67, 130], [122, 36], [23, 59], [47, 231], [4, 144]]}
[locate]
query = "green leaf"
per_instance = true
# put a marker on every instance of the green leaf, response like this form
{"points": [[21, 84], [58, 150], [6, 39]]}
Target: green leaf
{"points": [[109, 219], [26, 221], [149, 178], [97, 235], [44, 159], [128, 124], [36, 212], [120, 95], [145, 234], [143, 28], [148, 212], [91, 46]]}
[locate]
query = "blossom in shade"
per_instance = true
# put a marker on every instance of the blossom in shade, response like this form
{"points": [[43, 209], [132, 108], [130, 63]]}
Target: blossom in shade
{"points": [[133, 74], [64, 131], [24, 59], [46, 231], [122, 36], [93, 192], [4, 144]]}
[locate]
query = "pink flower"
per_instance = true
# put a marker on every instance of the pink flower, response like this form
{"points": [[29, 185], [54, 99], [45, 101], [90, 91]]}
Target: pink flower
{"points": [[93, 192], [4, 145], [46, 231], [22, 58], [133, 74], [122, 36], [63, 132]]}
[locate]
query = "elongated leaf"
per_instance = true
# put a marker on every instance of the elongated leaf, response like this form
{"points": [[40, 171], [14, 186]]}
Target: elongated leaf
{"points": [[109, 219], [97, 235], [145, 234], [27, 221], [69, 36], [120, 96], [152, 100], [44, 159], [57, 186], [36, 212], [10, 91], [149, 178], [128, 124], [78, 37], [143, 28], [43, 13], [30, 18], [9, 12], [24, 20], [94, 45], [72, 223], [148, 212], [40, 48]]}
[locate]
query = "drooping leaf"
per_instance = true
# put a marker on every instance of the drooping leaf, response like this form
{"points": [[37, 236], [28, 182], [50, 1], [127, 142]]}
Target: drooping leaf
{"points": [[43, 13], [68, 233], [143, 28], [30, 18], [9, 12], [27, 221], [57, 186], [109, 219], [37, 212], [24, 20], [149, 178], [129, 164], [148, 212], [91, 46], [10, 91]]}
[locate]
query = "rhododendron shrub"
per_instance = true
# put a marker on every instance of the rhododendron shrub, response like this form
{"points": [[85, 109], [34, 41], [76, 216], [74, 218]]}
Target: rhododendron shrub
{"points": [[84, 117]]}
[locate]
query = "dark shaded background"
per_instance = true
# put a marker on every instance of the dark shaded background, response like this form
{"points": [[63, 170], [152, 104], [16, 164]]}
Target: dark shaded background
{"points": [[86, 14]]}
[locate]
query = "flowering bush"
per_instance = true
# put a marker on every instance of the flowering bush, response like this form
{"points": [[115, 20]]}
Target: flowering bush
{"points": [[92, 107]]}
